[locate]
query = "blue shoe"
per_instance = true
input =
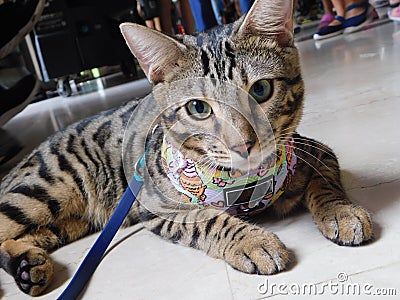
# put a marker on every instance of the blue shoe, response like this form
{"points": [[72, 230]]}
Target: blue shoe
{"points": [[356, 23], [330, 31]]}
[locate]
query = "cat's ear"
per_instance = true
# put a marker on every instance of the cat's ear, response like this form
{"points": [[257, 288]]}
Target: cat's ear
{"points": [[273, 18], [156, 52]]}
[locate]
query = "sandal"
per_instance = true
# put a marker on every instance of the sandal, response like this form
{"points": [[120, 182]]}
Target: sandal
{"points": [[381, 3], [394, 13], [330, 30], [325, 20], [356, 23]]}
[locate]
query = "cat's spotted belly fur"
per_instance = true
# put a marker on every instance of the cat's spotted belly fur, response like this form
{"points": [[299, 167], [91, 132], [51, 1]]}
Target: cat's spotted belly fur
{"points": [[69, 186]]}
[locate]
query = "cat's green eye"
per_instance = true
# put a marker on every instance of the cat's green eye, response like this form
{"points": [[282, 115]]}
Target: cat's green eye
{"points": [[199, 109], [261, 90]]}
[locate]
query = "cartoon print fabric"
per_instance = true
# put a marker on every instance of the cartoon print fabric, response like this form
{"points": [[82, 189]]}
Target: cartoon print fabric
{"points": [[231, 190]]}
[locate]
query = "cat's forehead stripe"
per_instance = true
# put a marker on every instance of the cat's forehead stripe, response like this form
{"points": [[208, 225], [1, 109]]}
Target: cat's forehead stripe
{"points": [[205, 62], [227, 60], [219, 61]]}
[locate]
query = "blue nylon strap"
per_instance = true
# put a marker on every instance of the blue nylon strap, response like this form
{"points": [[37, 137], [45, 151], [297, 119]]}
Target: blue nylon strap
{"points": [[340, 19], [94, 256], [357, 5]]}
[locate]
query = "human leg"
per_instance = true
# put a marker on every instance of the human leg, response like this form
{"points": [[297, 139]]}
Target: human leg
{"points": [[328, 6], [335, 27], [150, 24], [328, 16], [157, 23]]}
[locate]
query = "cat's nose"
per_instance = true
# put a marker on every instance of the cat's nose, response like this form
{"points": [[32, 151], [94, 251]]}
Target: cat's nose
{"points": [[243, 149]]}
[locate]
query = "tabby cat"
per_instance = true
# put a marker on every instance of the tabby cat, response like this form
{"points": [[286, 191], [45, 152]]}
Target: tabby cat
{"points": [[69, 185]]}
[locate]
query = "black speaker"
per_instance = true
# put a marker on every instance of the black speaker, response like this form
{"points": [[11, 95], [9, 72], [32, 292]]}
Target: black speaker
{"points": [[76, 35]]}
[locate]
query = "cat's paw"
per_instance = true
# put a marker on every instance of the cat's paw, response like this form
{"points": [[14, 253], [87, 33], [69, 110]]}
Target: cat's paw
{"points": [[32, 268], [346, 225], [258, 252], [34, 272]]}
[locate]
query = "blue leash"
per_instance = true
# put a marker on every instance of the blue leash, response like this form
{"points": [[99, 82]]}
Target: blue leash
{"points": [[94, 256]]}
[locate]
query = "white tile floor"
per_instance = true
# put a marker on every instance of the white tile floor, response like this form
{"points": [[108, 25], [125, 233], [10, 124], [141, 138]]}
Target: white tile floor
{"points": [[352, 104]]}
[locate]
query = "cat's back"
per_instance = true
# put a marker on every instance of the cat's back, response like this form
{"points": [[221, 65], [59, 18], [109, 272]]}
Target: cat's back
{"points": [[83, 159]]}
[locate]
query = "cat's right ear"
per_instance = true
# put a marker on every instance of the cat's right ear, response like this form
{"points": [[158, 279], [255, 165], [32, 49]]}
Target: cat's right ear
{"points": [[156, 52], [272, 18]]}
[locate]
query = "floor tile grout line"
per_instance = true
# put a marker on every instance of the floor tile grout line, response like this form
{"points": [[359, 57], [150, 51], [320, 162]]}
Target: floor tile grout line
{"points": [[373, 185], [229, 281]]}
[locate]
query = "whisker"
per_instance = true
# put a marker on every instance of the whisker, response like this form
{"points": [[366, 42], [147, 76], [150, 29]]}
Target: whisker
{"points": [[310, 154], [208, 164], [277, 141], [289, 128], [209, 167], [305, 139], [312, 146], [315, 169], [316, 158]]}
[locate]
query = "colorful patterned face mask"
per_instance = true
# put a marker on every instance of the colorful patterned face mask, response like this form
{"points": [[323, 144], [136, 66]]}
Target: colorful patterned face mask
{"points": [[232, 191]]}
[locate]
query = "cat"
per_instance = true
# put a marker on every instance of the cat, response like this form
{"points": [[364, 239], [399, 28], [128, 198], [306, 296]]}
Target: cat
{"points": [[69, 185]]}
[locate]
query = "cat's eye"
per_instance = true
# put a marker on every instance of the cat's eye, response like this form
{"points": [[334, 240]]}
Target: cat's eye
{"points": [[261, 90], [199, 109]]}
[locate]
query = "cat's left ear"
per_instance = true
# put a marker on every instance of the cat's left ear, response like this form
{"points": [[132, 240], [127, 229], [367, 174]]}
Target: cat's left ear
{"points": [[156, 52], [272, 18]]}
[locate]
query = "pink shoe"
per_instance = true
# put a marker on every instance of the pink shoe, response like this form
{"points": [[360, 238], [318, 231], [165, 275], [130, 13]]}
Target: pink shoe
{"points": [[394, 14], [325, 20]]}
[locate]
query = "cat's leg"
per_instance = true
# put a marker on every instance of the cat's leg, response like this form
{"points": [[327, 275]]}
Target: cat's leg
{"points": [[26, 257], [245, 247], [317, 178]]}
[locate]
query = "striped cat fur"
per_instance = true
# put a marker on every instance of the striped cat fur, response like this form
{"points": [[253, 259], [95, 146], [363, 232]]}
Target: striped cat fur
{"points": [[68, 186]]}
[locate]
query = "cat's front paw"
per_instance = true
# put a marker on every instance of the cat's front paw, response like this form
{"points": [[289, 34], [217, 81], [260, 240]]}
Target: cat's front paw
{"points": [[258, 252], [346, 225], [31, 267], [34, 272]]}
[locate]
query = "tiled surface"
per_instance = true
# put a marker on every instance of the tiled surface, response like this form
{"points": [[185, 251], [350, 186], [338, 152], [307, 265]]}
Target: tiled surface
{"points": [[352, 104]]}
